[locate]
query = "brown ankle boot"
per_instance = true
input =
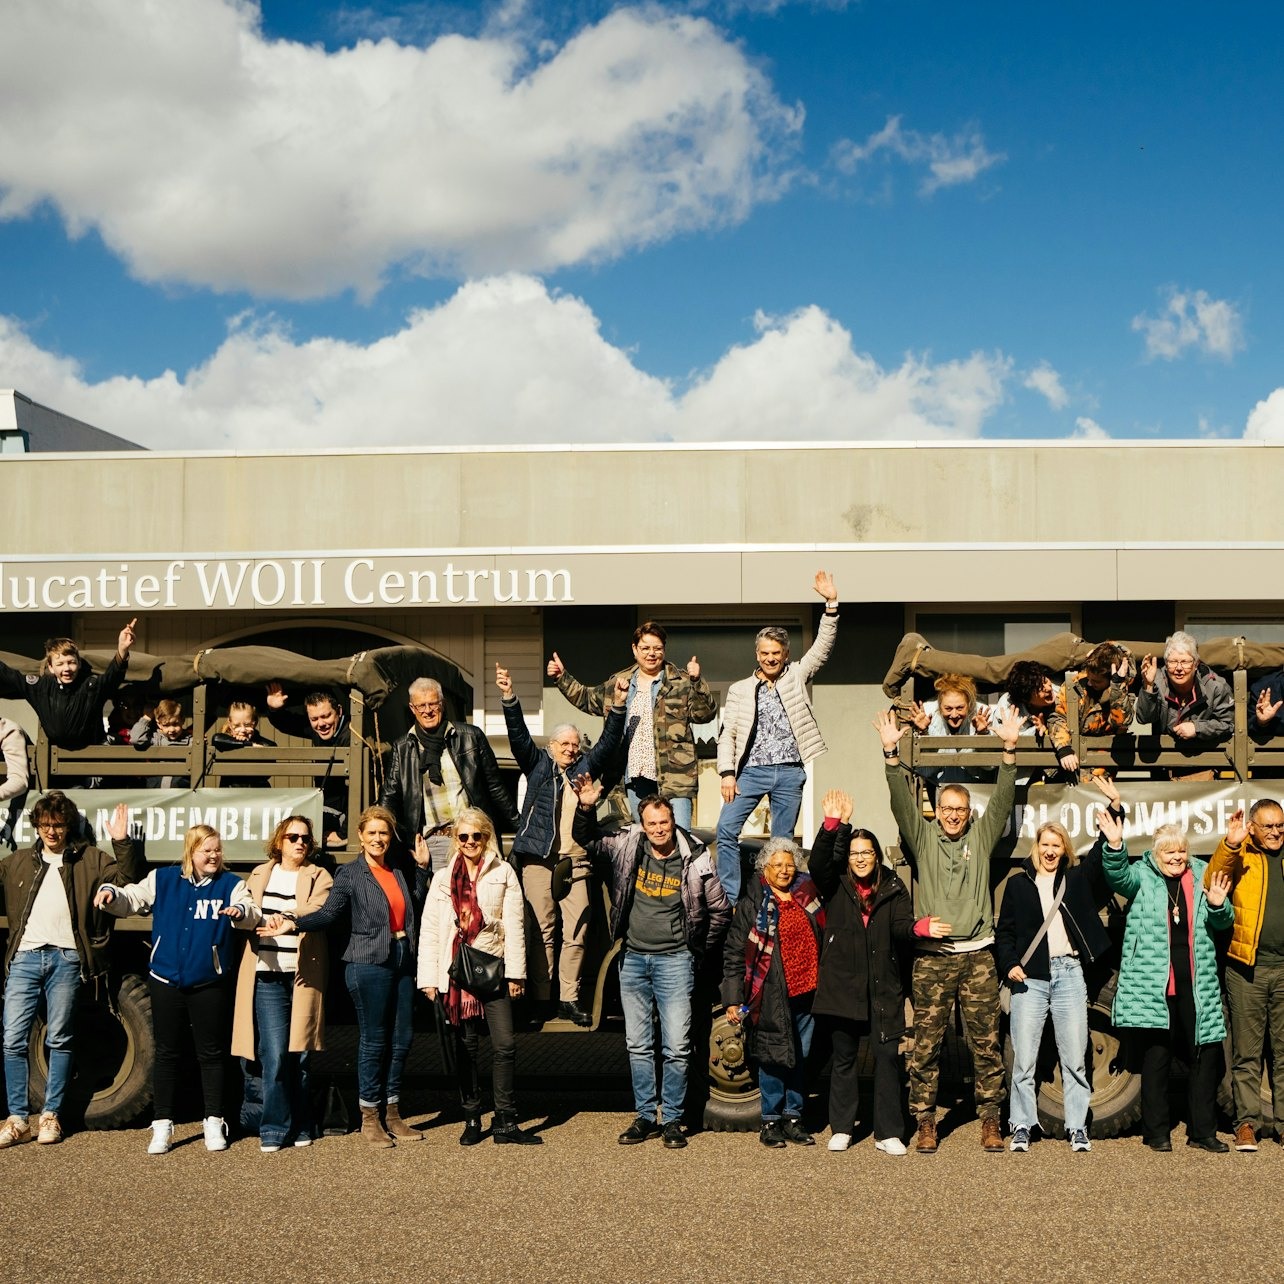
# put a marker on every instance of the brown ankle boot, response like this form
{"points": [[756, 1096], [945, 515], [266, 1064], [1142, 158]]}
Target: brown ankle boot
{"points": [[372, 1129], [991, 1134], [396, 1125], [925, 1143]]}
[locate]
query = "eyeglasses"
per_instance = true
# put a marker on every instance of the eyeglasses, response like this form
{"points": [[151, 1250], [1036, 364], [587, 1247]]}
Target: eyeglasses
{"points": [[471, 838], [952, 811], [1269, 829], [426, 708], [51, 824], [298, 838]]}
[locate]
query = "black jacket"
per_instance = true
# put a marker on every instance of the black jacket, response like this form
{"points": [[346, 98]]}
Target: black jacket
{"points": [[771, 1037], [861, 964], [1021, 916], [71, 715], [334, 789], [474, 759]]}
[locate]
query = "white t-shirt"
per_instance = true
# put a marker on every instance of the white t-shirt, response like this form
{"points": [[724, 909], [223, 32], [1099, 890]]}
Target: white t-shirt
{"points": [[50, 919], [1058, 940]]}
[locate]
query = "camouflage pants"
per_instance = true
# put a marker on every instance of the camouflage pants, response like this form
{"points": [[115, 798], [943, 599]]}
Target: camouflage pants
{"points": [[938, 980]]}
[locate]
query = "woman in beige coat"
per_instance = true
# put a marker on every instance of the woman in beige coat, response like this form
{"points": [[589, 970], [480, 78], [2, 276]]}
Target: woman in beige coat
{"points": [[279, 1017], [477, 900]]}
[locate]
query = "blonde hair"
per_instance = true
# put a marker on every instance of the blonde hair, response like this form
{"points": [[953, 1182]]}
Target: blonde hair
{"points": [[476, 817], [1170, 836], [377, 813], [195, 837], [1061, 832], [239, 706], [956, 682]]}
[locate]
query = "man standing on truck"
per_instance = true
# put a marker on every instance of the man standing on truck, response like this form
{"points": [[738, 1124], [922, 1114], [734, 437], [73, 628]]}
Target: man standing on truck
{"points": [[1249, 856], [438, 768], [955, 960], [57, 940], [669, 911], [769, 734], [326, 727]]}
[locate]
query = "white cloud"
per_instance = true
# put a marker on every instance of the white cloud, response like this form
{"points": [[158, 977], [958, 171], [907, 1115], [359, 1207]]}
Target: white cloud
{"points": [[1192, 319], [1044, 380], [949, 161], [205, 153], [1266, 419], [504, 360], [1086, 429]]}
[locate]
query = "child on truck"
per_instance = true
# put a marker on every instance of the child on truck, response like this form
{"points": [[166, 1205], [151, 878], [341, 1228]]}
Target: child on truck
{"points": [[240, 731], [68, 698], [164, 727]]}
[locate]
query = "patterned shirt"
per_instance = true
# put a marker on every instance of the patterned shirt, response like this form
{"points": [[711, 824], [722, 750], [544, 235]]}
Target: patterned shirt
{"points": [[639, 730], [773, 739], [797, 949], [279, 953]]}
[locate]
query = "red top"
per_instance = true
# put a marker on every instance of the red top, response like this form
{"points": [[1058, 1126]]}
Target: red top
{"points": [[392, 890], [797, 949]]}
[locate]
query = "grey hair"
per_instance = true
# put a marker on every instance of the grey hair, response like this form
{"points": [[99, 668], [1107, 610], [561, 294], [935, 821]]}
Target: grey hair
{"points": [[773, 633], [1181, 641], [428, 686], [1169, 836], [773, 847], [556, 733], [1260, 806], [955, 788]]}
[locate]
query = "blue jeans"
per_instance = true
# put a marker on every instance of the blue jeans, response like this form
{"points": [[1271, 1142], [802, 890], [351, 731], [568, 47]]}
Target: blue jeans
{"points": [[52, 975], [383, 995], [783, 784], [1066, 997], [277, 1103], [662, 981], [780, 1087], [639, 789]]}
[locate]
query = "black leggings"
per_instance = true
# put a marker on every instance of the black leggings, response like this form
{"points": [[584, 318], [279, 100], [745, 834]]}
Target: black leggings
{"points": [[204, 1011], [503, 1048]]}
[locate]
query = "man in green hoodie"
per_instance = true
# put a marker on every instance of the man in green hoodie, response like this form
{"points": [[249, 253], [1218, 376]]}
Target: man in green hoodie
{"points": [[951, 857]]}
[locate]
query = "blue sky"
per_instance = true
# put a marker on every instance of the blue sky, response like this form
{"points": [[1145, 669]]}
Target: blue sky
{"points": [[310, 223]]}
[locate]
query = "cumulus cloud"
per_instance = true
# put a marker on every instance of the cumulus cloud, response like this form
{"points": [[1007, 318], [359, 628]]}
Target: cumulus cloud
{"points": [[1086, 429], [1044, 380], [505, 360], [949, 161], [205, 153], [1192, 319], [1266, 419]]}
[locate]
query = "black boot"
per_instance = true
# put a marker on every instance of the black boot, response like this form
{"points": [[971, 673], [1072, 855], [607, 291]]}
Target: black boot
{"points": [[472, 1133], [506, 1132]]}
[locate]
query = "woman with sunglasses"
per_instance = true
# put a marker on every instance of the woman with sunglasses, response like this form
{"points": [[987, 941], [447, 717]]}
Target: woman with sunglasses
{"points": [[279, 1018], [477, 900]]}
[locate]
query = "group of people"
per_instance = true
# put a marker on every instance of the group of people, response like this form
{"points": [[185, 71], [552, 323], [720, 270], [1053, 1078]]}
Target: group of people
{"points": [[432, 904]]}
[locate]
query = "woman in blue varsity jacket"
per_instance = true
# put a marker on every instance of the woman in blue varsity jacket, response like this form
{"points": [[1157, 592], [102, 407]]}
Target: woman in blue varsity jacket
{"points": [[193, 909]]}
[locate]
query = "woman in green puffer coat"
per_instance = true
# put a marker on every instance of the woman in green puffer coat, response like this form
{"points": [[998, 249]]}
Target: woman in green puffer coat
{"points": [[1168, 987]]}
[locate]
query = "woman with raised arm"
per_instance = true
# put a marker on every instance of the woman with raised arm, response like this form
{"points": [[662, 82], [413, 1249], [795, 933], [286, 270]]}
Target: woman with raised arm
{"points": [[193, 907], [1049, 929], [477, 901], [869, 928], [380, 898], [280, 993], [1168, 984]]}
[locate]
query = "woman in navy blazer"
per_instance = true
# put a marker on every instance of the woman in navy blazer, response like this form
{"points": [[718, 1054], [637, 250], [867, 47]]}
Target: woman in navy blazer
{"points": [[382, 897]]}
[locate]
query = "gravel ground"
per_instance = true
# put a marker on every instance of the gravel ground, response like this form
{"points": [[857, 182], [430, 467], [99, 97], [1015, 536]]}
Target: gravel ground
{"points": [[580, 1207]]}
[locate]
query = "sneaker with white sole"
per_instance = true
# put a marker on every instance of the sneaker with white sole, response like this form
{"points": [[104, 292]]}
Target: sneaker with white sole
{"points": [[162, 1137], [1079, 1140], [302, 1141], [1020, 1139], [266, 1147], [891, 1146], [50, 1133], [840, 1140], [215, 1133], [14, 1131]]}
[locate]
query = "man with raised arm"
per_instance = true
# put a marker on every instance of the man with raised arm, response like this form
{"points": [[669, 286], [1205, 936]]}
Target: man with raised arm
{"points": [[326, 727], [664, 702], [769, 734], [955, 959]]}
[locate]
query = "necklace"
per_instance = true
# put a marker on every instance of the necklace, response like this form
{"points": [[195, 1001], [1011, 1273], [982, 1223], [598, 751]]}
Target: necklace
{"points": [[1175, 902]]}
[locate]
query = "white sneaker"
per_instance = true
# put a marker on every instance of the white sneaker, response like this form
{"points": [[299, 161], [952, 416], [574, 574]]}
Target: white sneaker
{"points": [[891, 1146], [266, 1147], [215, 1134], [162, 1137], [840, 1141]]}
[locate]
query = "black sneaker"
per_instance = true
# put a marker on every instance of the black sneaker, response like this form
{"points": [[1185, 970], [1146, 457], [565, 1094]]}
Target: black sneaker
{"points": [[673, 1138], [773, 1135], [640, 1130], [793, 1130]]}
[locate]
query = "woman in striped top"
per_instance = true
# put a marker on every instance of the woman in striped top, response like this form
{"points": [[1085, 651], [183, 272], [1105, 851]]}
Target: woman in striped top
{"points": [[280, 992]]}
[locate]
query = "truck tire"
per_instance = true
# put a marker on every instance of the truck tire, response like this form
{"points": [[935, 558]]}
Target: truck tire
{"points": [[112, 1072], [733, 1104]]}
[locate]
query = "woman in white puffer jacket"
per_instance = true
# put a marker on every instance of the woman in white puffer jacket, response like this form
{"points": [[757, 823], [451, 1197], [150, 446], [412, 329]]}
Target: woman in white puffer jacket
{"points": [[477, 900]]}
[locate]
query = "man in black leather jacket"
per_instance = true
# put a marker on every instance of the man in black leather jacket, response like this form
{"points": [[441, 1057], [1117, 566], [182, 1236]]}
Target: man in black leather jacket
{"points": [[439, 767]]}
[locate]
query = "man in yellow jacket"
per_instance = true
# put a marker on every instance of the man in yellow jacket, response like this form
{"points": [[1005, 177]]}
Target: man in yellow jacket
{"points": [[1250, 856]]}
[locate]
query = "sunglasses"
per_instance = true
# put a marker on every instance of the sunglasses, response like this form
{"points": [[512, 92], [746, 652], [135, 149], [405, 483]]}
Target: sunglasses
{"points": [[298, 838], [470, 838]]}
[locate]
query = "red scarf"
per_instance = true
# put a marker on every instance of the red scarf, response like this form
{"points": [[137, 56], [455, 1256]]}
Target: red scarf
{"points": [[460, 1005]]}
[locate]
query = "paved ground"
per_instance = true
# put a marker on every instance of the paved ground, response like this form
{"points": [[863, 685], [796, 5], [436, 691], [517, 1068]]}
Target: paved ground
{"points": [[98, 1208]]}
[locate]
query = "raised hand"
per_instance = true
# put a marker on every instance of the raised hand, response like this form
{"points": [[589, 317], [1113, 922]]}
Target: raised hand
{"points": [[555, 667], [423, 857], [693, 669], [126, 639], [587, 790], [920, 716], [118, 825], [1110, 827], [1266, 710], [621, 690], [1121, 670], [824, 585], [838, 805], [1007, 726], [1108, 788], [981, 719], [1218, 889], [889, 730], [1149, 670], [276, 696], [504, 681], [1236, 830]]}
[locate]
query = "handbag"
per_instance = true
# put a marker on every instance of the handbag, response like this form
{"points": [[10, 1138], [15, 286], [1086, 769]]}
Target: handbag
{"points": [[478, 972], [1005, 990]]}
